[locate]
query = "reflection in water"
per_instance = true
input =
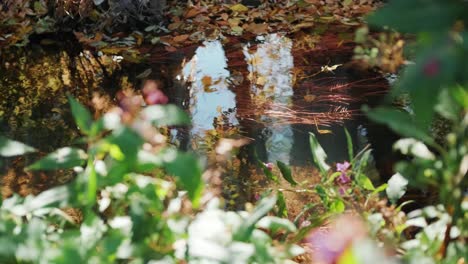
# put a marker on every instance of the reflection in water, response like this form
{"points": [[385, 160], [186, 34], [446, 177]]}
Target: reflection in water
{"points": [[210, 97], [270, 69]]}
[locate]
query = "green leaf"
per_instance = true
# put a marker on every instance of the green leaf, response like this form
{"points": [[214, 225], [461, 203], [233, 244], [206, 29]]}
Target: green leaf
{"points": [[81, 115], [270, 176], [281, 203], [460, 94], [275, 223], [364, 182], [128, 142], [417, 15], [349, 142], [337, 206], [286, 172], [322, 193], [10, 148], [92, 183], [363, 161], [318, 154], [63, 158], [399, 121], [379, 189], [263, 207], [188, 171], [166, 115]]}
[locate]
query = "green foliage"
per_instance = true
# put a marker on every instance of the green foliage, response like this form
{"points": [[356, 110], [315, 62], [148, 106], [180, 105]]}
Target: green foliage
{"points": [[63, 158], [123, 207], [437, 85]]}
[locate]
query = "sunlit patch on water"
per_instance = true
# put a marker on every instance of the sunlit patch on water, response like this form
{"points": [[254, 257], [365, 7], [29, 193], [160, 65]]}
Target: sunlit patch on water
{"points": [[270, 72], [210, 96]]}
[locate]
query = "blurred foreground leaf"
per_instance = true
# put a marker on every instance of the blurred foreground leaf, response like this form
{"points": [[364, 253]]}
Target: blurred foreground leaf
{"points": [[63, 158], [9, 148], [166, 115]]}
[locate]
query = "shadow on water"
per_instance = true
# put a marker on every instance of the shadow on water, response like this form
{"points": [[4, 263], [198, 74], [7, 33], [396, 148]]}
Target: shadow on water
{"points": [[267, 90]]}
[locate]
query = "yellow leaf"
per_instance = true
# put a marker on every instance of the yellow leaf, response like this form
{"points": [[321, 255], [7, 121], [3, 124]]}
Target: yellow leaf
{"points": [[239, 8], [309, 98], [261, 80], [206, 80]]}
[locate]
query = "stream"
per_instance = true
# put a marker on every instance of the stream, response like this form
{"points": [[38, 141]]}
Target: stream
{"points": [[269, 90]]}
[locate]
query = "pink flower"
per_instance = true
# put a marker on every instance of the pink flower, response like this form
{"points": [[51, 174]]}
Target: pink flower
{"points": [[329, 244], [342, 190], [269, 166], [344, 178], [343, 167], [156, 97]]}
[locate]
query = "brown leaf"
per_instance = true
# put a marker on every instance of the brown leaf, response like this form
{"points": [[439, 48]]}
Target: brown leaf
{"points": [[257, 28], [192, 12], [174, 25], [170, 48], [180, 38], [206, 80]]}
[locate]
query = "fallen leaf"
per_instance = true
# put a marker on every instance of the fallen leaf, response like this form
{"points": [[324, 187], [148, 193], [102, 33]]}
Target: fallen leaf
{"points": [[170, 48], [206, 80], [174, 25], [180, 38], [224, 16], [192, 12], [309, 98], [239, 8], [257, 28]]}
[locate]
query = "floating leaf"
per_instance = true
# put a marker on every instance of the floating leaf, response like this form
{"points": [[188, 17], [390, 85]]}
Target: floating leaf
{"points": [[9, 148], [63, 158]]}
